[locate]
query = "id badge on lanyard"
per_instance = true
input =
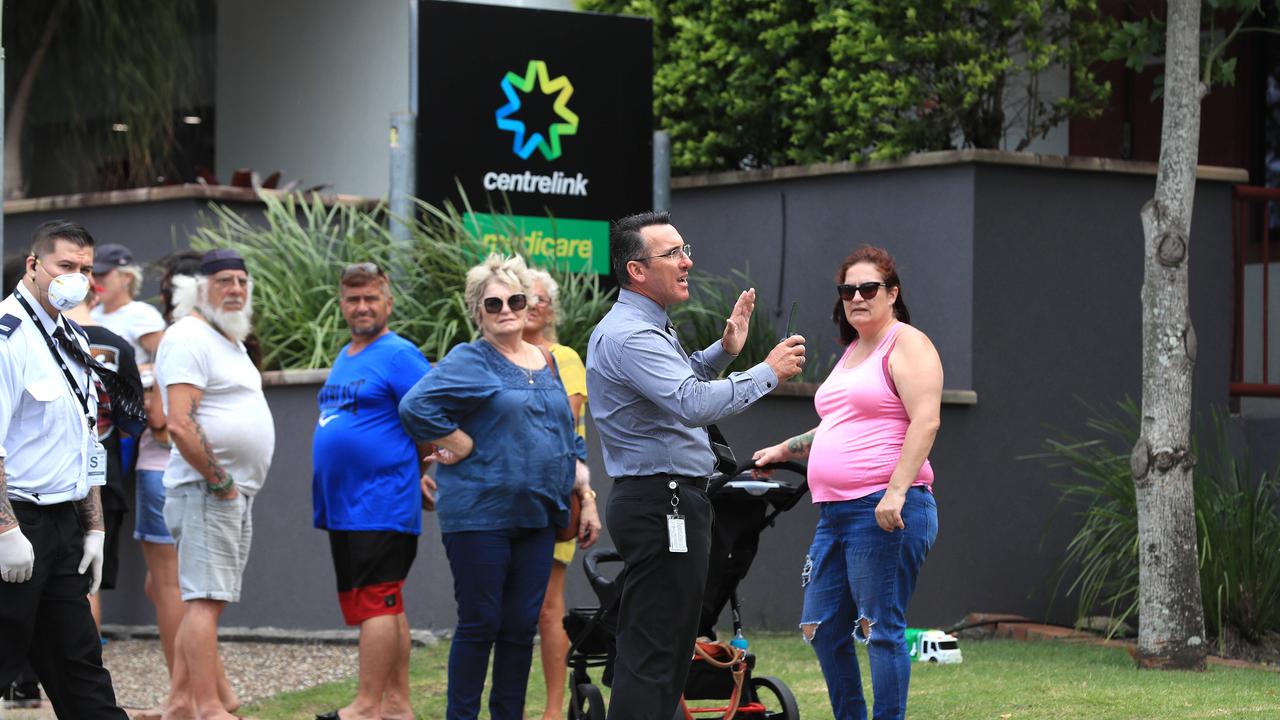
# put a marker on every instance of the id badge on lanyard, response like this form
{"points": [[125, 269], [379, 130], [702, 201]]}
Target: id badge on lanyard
{"points": [[95, 460], [676, 540]]}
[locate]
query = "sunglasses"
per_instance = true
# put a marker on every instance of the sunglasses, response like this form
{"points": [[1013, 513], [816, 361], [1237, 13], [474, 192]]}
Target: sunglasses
{"points": [[362, 268], [516, 302], [867, 290]]}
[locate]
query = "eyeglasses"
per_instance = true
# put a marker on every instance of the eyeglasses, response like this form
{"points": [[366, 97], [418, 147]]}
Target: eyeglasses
{"points": [[516, 301], [673, 253], [867, 290], [362, 268]]}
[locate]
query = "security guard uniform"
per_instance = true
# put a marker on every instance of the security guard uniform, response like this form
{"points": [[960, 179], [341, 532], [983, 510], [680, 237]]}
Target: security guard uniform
{"points": [[47, 444]]}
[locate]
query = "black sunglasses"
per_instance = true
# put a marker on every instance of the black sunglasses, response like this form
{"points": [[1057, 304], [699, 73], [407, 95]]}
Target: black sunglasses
{"points": [[516, 302], [867, 290]]}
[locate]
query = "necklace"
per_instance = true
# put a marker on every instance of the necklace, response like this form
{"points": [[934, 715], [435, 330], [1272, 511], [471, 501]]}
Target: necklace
{"points": [[523, 353]]}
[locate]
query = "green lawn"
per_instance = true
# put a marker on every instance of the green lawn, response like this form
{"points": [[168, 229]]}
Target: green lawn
{"points": [[999, 679]]}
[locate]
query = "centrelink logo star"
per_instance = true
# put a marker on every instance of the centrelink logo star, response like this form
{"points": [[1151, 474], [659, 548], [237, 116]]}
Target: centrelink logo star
{"points": [[550, 144]]}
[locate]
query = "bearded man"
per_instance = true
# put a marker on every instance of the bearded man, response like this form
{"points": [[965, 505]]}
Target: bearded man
{"points": [[223, 438]]}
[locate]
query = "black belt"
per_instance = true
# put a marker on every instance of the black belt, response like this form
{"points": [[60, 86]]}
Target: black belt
{"points": [[698, 482]]}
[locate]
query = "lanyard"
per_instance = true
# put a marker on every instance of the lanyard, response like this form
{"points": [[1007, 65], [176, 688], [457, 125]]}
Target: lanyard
{"points": [[57, 357]]}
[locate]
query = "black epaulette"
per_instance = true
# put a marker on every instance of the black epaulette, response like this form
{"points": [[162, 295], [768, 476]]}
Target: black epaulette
{"points": [[8, 324]]}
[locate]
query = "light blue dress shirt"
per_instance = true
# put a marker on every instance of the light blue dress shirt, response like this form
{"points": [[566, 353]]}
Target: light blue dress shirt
{"points": [[651, 401]]}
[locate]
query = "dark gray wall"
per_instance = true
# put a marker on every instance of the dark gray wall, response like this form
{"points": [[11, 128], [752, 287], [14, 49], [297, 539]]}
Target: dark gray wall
{"points": [[1028, 281], [792, 235]]}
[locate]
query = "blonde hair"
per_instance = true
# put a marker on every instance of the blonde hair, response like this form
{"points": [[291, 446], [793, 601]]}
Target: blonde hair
{"points": [[538, 275], [134, 273], [508, 270]]}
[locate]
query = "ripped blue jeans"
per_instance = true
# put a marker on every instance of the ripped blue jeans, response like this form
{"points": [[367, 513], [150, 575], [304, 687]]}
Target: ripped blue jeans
{"points": [[858, 580]]}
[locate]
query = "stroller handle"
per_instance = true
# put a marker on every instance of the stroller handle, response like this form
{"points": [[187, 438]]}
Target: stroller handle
{"points": [[720, 480], [606, 590]]}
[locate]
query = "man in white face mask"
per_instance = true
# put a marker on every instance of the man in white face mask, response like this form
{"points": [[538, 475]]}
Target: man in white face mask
{"points": [[223, 439], [51, 470]]}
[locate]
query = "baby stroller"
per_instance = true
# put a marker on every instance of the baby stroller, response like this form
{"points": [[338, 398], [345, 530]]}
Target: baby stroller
{"points": [[743, 508]]}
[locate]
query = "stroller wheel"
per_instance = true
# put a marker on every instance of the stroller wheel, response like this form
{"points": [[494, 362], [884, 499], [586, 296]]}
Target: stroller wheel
{"points": [[774, 694], [588, 703]]}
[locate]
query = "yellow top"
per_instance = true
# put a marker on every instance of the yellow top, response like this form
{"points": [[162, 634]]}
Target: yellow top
{"points": [[574, 376]]}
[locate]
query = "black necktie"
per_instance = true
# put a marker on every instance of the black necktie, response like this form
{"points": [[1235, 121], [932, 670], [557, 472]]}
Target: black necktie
{"points": [[127, 411]]}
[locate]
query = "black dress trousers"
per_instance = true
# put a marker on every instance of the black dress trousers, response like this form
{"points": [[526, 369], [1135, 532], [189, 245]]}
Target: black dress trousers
{"points": [[47, 619], [661, 595]]}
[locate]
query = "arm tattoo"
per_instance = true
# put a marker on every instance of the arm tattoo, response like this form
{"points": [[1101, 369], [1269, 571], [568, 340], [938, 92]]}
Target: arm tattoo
{"points": [[213, 467], [91, 510], [7, 517], [799, 445]]}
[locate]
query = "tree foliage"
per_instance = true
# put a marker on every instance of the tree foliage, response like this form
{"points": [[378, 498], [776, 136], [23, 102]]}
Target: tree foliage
{"points": [[756, 83], [80, 66], [1137, 42]]}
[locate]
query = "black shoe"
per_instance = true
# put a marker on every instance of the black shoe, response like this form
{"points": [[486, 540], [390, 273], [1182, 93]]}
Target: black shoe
{"points": [[22, 695]]}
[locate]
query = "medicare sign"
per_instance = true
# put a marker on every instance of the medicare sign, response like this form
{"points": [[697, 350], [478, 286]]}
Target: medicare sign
{"points": [[542, 116]]}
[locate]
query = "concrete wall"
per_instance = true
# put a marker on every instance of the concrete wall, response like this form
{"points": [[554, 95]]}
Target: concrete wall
{"points": [[308, 87]]}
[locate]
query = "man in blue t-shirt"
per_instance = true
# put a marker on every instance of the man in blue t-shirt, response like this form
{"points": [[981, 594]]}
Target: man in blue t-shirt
{"points": [[369, 489]]}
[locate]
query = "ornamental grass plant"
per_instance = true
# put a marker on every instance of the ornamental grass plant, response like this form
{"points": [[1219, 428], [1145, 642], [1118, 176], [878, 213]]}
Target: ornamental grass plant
{"points": [[1237, 529], [298, 249]]}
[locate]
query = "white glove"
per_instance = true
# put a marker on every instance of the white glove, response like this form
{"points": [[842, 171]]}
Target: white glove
{"points": [[93, 557], [17, 559]]}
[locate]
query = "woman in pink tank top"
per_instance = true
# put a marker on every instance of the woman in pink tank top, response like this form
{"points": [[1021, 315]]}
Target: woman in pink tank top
{"points": [[870, 476]]}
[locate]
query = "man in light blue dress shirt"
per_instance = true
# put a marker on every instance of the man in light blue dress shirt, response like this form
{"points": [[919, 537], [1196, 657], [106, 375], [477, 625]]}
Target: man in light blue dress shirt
{"points": [[651, 403]]}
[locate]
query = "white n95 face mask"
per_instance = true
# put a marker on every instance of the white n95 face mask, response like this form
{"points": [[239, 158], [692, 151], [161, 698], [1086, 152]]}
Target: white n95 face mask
{"points": [[68, 290]]}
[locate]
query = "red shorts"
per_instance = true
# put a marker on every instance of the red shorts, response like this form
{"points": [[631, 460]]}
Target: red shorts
{"points": [[371, 567]]}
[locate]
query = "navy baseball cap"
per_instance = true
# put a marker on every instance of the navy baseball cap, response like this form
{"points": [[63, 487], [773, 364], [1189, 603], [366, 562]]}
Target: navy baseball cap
{"points": [[111, 256], [216, 261]]}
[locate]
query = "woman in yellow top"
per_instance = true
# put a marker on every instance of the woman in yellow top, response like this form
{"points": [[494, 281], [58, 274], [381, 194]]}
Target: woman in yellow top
{"points": [[540, 329]]}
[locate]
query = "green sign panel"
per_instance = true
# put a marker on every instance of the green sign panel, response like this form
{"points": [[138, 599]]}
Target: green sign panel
{"points": [[577, 245]]}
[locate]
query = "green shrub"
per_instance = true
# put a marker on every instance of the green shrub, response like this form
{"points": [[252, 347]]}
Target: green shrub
{"points": [[1237, 521], [745, 84]]}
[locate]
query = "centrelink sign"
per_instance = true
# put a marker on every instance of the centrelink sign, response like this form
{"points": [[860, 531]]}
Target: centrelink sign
{"points": [[543, 114]]}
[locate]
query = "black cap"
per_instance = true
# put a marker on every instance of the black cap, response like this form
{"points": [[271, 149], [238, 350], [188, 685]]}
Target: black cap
{"points": [[216, 261], [111, 256]]}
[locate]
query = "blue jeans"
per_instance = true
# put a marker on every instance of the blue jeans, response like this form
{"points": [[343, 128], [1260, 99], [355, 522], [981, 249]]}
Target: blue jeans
{"points": [[858, 580], [499, 578]]}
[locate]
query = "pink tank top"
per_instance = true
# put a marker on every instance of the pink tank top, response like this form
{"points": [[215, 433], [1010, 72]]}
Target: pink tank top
{"points": [[859, 440]]}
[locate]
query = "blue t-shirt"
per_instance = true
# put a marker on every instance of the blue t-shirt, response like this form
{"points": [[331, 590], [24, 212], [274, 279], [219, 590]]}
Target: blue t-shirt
{"points": [[521, 471], [365, 473]]}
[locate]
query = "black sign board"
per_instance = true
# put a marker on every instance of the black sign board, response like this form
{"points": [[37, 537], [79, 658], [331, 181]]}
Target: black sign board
{"points": [[548, 113]]}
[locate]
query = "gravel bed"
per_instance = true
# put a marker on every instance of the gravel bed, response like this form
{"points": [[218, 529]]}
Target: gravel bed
{"points": [[256, 670]]}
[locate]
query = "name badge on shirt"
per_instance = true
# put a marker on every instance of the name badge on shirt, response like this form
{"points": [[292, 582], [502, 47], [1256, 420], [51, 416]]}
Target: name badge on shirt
{"points": [[675, 534], [97, 467]]}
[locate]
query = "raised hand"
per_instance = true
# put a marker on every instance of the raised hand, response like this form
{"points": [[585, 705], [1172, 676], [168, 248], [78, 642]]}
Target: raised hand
{"points": [[738, 322]]}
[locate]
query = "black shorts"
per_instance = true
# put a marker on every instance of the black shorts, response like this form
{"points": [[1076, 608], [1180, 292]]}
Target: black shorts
{"points": [[371, 567]]}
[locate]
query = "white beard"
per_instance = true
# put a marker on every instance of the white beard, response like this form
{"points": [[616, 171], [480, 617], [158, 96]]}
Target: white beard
{"points": [[192, 294], [235, 323]]}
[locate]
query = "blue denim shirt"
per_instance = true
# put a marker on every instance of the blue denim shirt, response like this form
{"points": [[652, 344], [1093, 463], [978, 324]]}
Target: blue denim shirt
{"points": [[651, 401], [521, 471]]}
